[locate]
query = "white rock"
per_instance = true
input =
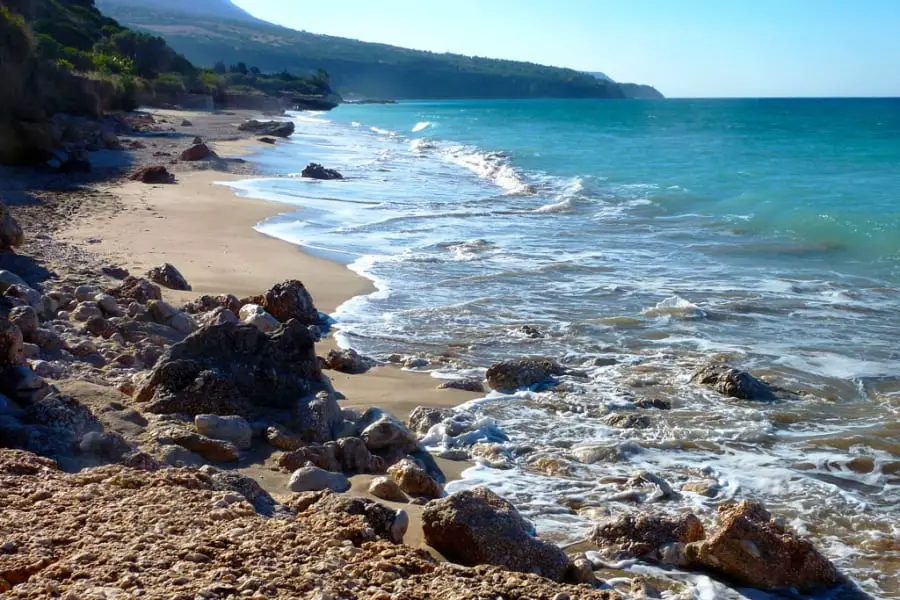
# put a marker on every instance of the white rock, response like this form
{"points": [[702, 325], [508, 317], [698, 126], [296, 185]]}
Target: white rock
{"points": [[107, 304], [256, 315], [234, 429], [314, 479]]}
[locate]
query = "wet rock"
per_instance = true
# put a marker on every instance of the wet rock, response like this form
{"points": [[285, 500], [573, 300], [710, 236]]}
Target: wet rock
{"points": [[26, 319], [256, 315], [155, 175], [136, 289], [387, 489], [348, 361], [267, 140], [283, 438], [11, 235], [477, 527], [466, 385], [653, 403], [317, 171], [733, 383], [231, 428], [12, 351], [423, 418], [197, 152], [314, 479], [212, 450], [749, 547], [624, 421], [706, 487], [643, 535], [186, 123], [280, 129], [511, 375], [85, 311], [242, 367], [413, 480], [581, 571], [290, 300], [530, 331], [168, 276]]}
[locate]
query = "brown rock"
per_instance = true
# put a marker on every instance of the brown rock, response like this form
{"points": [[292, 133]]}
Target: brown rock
{"points": [[197, 152], [477, 527], [168, 276], [348, 361], [355, 457], [137, 289], [290, 300], [511, 375], [642, 535], [413, 480], [466, 385], [12, 350], [214, 450], [423, 418], [733, 383], [387, 489], [156, 174], [325, 457], [11, 235], [100, 327], [26, 319], [283, 438]]}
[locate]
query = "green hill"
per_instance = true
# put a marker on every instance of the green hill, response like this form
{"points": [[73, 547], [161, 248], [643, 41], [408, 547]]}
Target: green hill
{"points": [[207, 31]]}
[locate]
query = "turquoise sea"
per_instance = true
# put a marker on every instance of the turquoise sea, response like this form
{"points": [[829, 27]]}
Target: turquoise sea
{"points": [[642, 238]]}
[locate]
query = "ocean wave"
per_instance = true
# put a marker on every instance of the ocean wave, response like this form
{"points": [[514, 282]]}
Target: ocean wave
{"points": [[676, 306], [422, 145], [494, 166], [422, 126]]}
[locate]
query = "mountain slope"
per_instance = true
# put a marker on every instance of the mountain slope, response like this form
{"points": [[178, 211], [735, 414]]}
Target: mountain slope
{"points": [[215, 30]]}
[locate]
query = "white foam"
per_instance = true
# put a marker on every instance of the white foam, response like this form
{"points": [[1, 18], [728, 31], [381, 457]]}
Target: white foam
{"points": [[421, 126], [676, 306]]}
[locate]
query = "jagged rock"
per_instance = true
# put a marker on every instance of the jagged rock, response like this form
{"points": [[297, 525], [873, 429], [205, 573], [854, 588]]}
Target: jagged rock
{"points": [[319, 419], [413, 480], [283, 438], [387, 489], [11, 344], [213, 450], [68, 420], [11, 235], [423, 418], [643, 535], [26, 319], [388, 435], [348, 361], [100, 327], [108, 445], [466, 385], [205, 304], [511, 375], [267, 140], [314, 479], [290, 300], [216, 317], [186, 123], [733, 383], [477, 527], [626, 421], [136, 289], [317, 171], [323, 456], [280, 129], [231, 428], [749, 547], [355, 457], [197, 152], [256, 315], [248, 366], [85, 311], [156, 174], [168, 276]]}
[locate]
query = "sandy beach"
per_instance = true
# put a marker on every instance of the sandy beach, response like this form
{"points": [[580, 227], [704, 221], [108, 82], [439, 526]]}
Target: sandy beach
{"points": [[207, 231]]}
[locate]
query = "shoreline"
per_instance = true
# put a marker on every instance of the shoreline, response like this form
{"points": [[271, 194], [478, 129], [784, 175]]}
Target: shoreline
{"points": [[228, 255]]}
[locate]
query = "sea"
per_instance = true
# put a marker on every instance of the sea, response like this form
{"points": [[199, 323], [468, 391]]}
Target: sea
{"points": [[642, 239]]}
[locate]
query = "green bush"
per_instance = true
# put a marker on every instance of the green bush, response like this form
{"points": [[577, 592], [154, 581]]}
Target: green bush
{"points": [[113, 63]]}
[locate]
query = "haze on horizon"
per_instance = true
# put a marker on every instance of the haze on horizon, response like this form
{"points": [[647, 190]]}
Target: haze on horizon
{"points": [[685, 48]]}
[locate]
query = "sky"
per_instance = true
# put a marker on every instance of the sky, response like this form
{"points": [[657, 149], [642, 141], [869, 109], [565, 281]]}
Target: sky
{"points": [[686, 48]]}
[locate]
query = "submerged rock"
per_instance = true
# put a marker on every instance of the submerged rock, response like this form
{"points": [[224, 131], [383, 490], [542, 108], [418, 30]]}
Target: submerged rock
{"points": [[477, 527], [317, 171], [733, 383], [168, 276], [511, 375]]}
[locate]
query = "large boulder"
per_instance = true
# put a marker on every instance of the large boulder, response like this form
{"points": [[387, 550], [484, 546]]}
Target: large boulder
{"points": [[413, 480], [645, 535], [319, 419], [281, 129], [511, 375], [314, 479], [244, 366], [11, 235], [232, 428], [290, 300], [476, 527], [751, 548], [317, 171], [423, 418], [197, 152], [168, 276], [733, 383], [348, 361]]}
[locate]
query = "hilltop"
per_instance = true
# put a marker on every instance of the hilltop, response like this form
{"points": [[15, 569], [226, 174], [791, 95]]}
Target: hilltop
{"points": [[213, 30]]}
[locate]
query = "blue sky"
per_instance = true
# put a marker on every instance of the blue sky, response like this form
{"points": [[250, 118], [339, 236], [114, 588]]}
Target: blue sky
{"points": [[687, 48]]}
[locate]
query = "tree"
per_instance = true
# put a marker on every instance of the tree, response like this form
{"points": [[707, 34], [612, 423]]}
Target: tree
{"points": [[255, 71], [219, 68], [240, 68]]}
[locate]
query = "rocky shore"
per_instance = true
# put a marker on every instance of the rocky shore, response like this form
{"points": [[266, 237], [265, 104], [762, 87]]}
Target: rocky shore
{"points": [[175, 423]]}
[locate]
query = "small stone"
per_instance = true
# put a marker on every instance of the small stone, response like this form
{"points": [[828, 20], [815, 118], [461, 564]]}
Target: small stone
{"points": [[214, 450], [83, 293], [387, 489], [283, 438], [26, 319], [412, 479]]}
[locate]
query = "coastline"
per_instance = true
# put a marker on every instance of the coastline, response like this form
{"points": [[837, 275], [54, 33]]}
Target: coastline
{"points": [[208, 231]]}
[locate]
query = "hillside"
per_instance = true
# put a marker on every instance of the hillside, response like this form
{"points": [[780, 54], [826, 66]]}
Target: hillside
{"points": [[213, 30]]}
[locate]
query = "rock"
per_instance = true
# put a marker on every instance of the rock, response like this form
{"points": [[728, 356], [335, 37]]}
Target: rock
{"points": [[531, 332], [136, 289], [290, 300], [625, 421], [205, 304], [213, 450], [319, 419], [348, 361], [283, 438], [46, 369], [168, 276], [156, 174], [186, 123], [423, 418], [48, 340], [85, 293], [389, 435], [511, 375], [11, 235], [317, 171], [216, 317], [643, 535], [31, 351], [706, 487], [280, 129], [256, 315], [197, 140], [749, 547], [384, 522], [12, 351], [466, 385], [733, 383], [197, 152], [69, 419], [26, 319], [314, 479], [108, 445], [581, 571], [107, 304], [653, 403], [241, 365], [322, 456], [413, 480], [652, 487], [85, 311], [267, 140], [231, 428], [387, 489], [477, 527], [114, 271], [78, 161], [8, 278], [416, 362], [355, 457], [100, 327]]}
